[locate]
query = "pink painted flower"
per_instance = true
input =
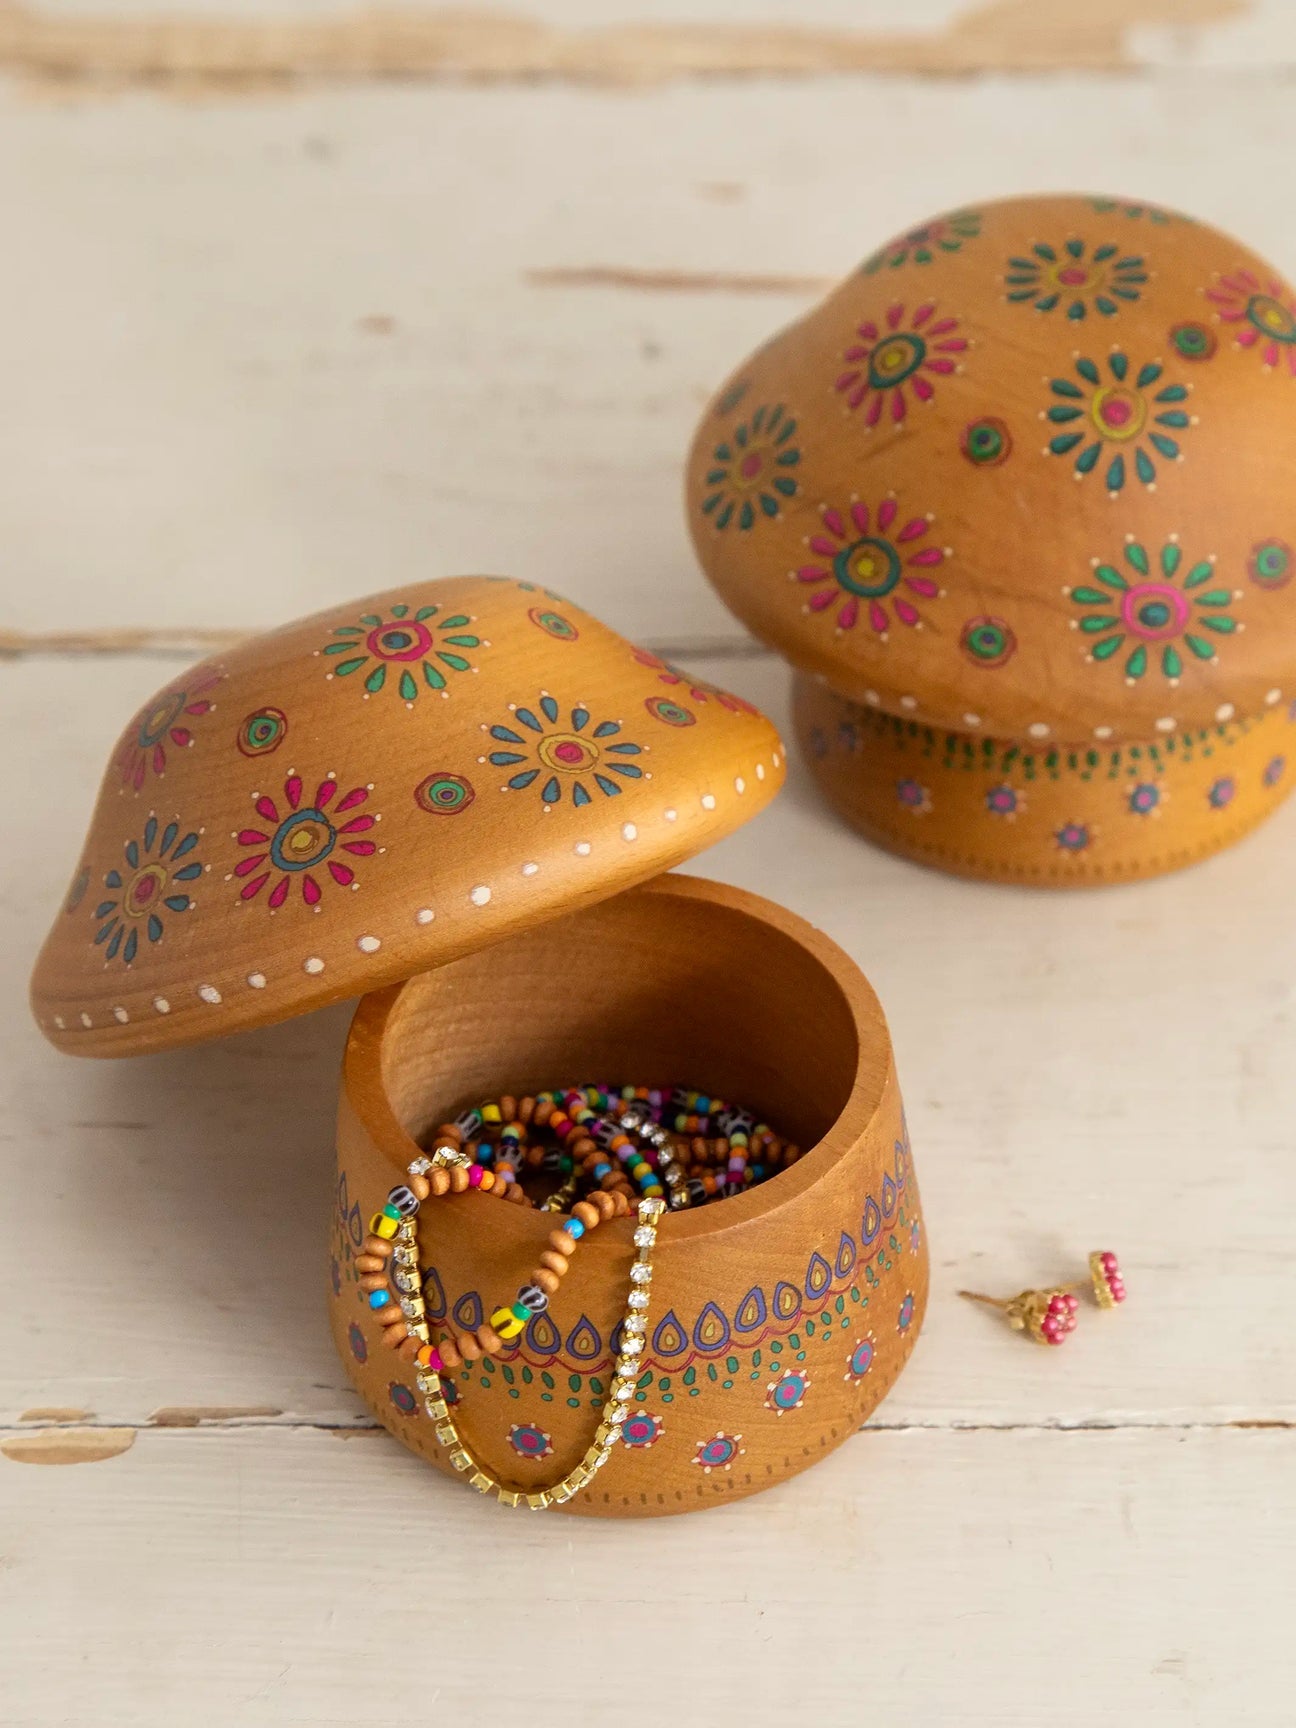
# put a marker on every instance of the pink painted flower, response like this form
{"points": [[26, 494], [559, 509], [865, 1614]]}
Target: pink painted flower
{"points": [[871, 568], [304, 840], [890, 360], [1262, 313], [162, 725]]}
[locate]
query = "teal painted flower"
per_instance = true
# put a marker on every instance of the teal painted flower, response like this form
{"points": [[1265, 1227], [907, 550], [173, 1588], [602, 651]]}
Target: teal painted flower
{"points": [[1137, 212], [154, 882], [1149, 615], [414, 650], [573, 752], [751, 470], [927, 242], [1077, 278], [1128, 420]]}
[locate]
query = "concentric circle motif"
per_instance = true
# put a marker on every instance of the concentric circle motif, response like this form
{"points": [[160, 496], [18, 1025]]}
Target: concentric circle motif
{"points": [[568, 753], [904, 1319], [986, 443], [1193, 341], [719, 1452], [402, 1398], [1270, 564], [1144, 799], [869, 567], [673, 713], [787, 1392], [262, 731], [528, 1441], [356, 1339], [553, 624], [444, 794], [158, 721], [640, 1429], [407, 640], [302, 839], [988, 641], [860, 1360], [1271, 318]]}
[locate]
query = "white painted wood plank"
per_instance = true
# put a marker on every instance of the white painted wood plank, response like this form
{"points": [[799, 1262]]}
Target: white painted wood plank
{"points": [[266, 354], [1101, 1070], [995, 1581]]}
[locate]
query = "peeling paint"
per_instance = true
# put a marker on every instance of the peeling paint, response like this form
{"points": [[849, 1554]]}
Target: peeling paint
{"points": [[67, 1445]]}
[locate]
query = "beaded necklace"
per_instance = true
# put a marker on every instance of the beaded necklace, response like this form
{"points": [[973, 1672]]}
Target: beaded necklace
{"points": [[603, 1144]]}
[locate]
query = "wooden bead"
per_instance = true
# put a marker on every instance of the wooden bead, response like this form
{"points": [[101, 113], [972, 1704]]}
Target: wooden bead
{"points": [[458, 1178], [489, 1339], [561, 1242], [547, 1280], [526, 1110], [449, 1137], [621, 1203], [378, 1247], [374, 1281], [369, 1263], [603, 1203], [543, 1111], [508, 1109], [587, 1214], [469, 1348], [450, 1353], [409, 1349], [440, 1180], [420, 1187], [554, 1261]]}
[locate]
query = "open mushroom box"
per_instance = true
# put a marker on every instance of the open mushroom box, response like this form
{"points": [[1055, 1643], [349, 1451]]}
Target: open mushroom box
{"points": [[457, 800]]}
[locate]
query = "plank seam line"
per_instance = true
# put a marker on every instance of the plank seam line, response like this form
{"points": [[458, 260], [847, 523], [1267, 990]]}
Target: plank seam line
{"points": [[1058, 1426], [166, 644]]}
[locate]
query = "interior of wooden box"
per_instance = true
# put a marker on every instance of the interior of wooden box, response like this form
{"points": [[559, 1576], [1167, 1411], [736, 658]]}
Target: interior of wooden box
{"points": [[649, 988]]}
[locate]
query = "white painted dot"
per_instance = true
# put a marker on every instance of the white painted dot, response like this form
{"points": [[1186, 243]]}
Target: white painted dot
{"points": [[708, 801], [368, 944], [1225, 711], [971, 719], [209, 993], [120, 1015], [86, 1020], [776, 758], [60, 1022], [480, 895], [424, 915], [1038, 730], [312, 964], [582, 848], [1102, 731], [629, 832], [1273, 696], [760, 770], [256, 980], [670, 815], [530, 869], [1167, 724], [740, 785], [872, 698], [908, 701], [161, 1004]]}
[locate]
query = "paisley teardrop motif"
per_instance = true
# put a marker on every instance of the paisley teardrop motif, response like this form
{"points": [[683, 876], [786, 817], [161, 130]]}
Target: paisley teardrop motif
{"points": [[889, 1197], [542, 1337], [583, 1342], [752, 1311], [818, 1277], [712, 1330], [468, 1315], [670, 1338], [787, 1301], [434, 1296], [902, 1162], [846, 1256], [872, 1221], [350, 1211]]}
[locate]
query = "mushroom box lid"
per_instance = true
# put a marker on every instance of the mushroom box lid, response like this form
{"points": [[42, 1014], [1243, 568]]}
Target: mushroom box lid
{"points": [[1026, 472], [375, 790]]}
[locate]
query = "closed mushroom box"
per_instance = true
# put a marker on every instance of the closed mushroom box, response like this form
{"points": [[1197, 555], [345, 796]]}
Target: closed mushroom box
{"points": [[458, 799], [1015, 502]]}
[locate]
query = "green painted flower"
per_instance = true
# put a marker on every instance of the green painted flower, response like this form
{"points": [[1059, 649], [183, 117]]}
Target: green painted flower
{"points": [[1073, 276], [1126, 419], [924, 244], [1152, 615], [414, 649]]}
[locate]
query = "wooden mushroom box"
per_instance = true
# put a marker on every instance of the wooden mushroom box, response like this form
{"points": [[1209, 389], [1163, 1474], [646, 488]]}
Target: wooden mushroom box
{"points": [[1015, 501], [459, 798]]}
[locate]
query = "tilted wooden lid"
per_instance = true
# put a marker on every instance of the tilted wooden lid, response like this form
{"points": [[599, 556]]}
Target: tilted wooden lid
{"points": [[372, 791], [1027, 472]]}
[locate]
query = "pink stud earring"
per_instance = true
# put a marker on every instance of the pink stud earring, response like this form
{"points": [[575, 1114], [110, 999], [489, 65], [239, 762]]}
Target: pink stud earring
{"points": [[1047, 1316]]}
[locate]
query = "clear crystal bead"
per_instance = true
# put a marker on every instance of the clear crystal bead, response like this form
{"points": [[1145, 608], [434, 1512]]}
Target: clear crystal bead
{"points": [[614, 1415], [645, 1236], [408, 1308], [635, 1325], [638, 1299], [631, 1346], [641, 1273], [623, 1392], [420, 1166]]}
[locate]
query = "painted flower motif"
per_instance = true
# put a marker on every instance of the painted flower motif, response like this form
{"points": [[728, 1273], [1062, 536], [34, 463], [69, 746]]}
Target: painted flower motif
{"points": [[1270, 564], [860, 1359], [576, 754], [1006, 801], [697, 688], [1073, 837], [904, 1319], [335, 1276], [1145, 799], [1154, 614], [1193, 341], [161, 726], [925, 243], [914, 796], [868, 569], [408, 646], [356, 1339], [1275, 768], [719, 1452], [988, 641], [787, 1392], [1221, 792], [896, 358], [1144, 212], [750, 472], [640, 1430], [1076, 277], [528, 1441], [1117, 416], [146, 889], [915, 1236], [1262, 314], [307, 837], [402, 1397]]}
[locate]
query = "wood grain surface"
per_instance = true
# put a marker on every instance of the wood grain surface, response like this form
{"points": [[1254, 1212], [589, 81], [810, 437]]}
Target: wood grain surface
{"points": [[270, 349]]}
